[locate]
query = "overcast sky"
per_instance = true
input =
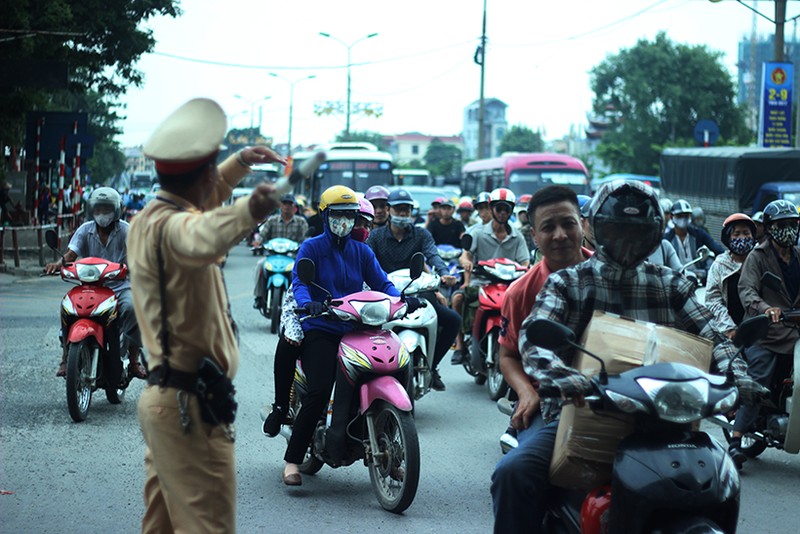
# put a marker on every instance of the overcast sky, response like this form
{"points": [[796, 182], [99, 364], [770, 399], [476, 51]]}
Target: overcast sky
{"points": [[420, 65]]}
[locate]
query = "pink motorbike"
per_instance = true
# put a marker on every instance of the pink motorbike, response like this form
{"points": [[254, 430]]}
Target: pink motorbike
{"points": [[381, 429]]}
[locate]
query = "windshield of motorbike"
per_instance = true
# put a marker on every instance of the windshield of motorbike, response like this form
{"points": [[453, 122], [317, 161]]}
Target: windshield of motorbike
{"points": [[528, 181]]}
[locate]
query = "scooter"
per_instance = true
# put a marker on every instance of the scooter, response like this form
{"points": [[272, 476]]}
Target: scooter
{"points": [[381, 431], [93, 343], [276, 275], [698, 276], [450, 255], [666, 477], [777, 426], [484, 348], [418, 329]]}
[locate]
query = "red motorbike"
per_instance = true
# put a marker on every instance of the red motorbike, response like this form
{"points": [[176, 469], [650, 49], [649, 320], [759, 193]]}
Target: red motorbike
{"points": [[484, 350], [91, 334]]}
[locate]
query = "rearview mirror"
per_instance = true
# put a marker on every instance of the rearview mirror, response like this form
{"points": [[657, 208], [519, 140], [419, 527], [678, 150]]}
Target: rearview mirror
{"points": [[549, 334], [466, 241], [51, 238], [306, 270], [751, 330], [417, 265], [703, 253]]}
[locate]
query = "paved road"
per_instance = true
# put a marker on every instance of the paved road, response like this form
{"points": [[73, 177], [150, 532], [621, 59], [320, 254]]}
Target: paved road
{"points": [[88, 477]]}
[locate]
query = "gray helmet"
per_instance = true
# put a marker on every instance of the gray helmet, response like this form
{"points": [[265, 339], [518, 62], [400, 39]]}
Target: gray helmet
{"points": [[666, 205], [107, 196], [698, 216], [681, 206], [778, 210]]}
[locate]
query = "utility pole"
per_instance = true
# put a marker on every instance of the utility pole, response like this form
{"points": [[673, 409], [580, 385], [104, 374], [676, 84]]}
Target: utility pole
{"points": [[480, 58], [780, 20]]}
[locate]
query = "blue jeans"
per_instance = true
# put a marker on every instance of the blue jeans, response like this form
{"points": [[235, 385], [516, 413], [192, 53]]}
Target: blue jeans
{"points": [[519, 482]]}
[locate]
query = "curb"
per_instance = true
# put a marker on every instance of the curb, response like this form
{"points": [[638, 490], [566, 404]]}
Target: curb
{"points": [[23, 271]]}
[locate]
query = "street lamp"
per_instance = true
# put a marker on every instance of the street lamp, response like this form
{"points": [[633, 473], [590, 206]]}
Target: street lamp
{"points": [[291, 103], [349, 47], [252, 107]]}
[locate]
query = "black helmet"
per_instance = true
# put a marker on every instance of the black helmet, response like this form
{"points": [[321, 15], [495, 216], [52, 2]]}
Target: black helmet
{"points": [[778, 210], [627, 220]]}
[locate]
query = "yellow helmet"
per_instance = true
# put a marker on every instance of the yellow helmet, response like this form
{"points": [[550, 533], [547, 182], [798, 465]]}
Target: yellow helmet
{"points": [[338, 197]]}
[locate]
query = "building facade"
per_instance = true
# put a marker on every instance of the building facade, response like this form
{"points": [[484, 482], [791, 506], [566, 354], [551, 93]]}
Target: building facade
{"points": [[412, 147], [494, 123]]}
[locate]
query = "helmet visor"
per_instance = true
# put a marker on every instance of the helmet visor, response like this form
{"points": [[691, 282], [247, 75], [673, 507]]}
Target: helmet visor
{"points": [[627, 241]]}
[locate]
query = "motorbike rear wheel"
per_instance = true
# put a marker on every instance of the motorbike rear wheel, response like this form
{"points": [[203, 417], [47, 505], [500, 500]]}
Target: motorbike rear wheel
{"points": [[275, 312], [495, 383], [395, 466], [79, 385]]}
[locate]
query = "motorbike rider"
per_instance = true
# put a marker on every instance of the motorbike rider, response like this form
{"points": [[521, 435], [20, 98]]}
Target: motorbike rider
{"points": [[290, 340], [666, 207], [343, 265], [106, 236], [687, 238], [446, 230], [524, 223], [555, 225], [628, 224], [378, 195], [758, 219], [483, 212], [464, 211], [287, 224], [779, 255], [494, 239], [394, 244]]}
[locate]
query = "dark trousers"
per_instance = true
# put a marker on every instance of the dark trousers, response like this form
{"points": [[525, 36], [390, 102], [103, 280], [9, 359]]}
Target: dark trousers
{"points": [[519, 482], [449, 323], [286, 356], [761, 366], [319, 365]]}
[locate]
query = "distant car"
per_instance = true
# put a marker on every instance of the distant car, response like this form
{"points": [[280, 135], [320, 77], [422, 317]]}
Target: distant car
{"points": [[425, 195], [652, 181]]}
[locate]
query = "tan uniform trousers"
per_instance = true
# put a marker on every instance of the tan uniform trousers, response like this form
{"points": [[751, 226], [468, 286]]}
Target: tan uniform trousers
{"points": [[191, 477]]}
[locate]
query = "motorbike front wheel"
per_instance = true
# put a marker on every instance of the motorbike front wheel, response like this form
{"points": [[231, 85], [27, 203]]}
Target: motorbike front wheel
{"points": [[79, 384], [495, 383], [395, 465], [275, 312]]}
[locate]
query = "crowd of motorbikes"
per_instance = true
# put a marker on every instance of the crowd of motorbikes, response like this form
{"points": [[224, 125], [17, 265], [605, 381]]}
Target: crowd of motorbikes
{"points": [[676, 476]]}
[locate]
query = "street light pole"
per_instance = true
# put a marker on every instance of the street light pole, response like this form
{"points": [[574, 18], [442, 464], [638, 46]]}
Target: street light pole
{"points": [[349, 64], [252, 108], [291, 105]]}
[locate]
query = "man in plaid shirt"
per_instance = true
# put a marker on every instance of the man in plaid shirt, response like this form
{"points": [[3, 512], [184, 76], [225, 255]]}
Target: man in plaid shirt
{"points": [[628, 224]]}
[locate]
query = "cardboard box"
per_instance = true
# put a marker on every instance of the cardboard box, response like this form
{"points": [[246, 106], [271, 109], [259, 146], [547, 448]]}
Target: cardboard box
{"points": [[586, 442]]}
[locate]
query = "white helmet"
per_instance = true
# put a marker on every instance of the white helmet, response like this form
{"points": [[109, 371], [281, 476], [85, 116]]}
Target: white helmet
{"points": [[107, 196], [502, 194]]}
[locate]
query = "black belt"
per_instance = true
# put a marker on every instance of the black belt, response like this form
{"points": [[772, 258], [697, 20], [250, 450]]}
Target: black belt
{"points": [[174, 379]]}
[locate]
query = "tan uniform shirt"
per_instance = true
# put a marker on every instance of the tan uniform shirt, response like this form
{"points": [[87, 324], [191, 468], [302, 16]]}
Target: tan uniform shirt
{"points": [[193, 241]]}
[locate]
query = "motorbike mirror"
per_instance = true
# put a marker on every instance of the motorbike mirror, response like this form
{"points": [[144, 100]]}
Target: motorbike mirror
{"points": [[703, 253], [772, 281], [417, 265], [466, 242], [751, 330], [306, 270], [51, 238], [551, 335]]}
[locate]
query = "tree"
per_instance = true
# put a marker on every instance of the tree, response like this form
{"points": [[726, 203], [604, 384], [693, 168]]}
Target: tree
{"points": [[658, 91], [363, 137], [521, 139], [442, 159], [100, 40]]}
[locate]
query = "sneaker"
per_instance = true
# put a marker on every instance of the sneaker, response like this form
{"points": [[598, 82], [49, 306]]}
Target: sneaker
{"points": [[737, 455], [508, 440], [259, 303], [436, 381], [273, 422]]}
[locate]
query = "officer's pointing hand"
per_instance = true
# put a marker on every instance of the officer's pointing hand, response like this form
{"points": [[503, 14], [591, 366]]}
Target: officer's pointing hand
{"points": [[262, 202], [261, 154]]}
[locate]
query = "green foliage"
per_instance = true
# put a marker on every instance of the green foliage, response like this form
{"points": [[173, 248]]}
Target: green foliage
{"points": [[655, 92], [100, 40], [521, 139], [363, 137], [442, 159]]}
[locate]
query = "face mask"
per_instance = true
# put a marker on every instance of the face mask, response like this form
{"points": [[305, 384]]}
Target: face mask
{"points": [[359, 234], [742, 245], [104, 220], [681, 223], [785, 237], [403, 222], [341, 226]]}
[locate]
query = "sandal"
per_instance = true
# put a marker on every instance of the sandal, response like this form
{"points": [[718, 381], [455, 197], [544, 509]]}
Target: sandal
{"points": [[137, 370]]}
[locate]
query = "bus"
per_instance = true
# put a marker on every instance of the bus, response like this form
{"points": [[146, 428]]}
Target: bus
{"points": [[259, 173], [524, 173], [358, 166], [412, 177]]}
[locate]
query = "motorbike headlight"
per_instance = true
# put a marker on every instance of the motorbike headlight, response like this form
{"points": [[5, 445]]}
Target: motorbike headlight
{"points": [[111, 275], [625, 403], [727, 403], [268, 266], [400, 312], [372, 313], [90, 273], [677, 402], [66, 304], [341, 314], [289, 267]]}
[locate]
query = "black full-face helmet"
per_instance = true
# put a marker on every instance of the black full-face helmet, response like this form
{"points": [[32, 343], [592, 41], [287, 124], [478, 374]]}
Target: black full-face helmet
{"points": [[627, 220]]}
